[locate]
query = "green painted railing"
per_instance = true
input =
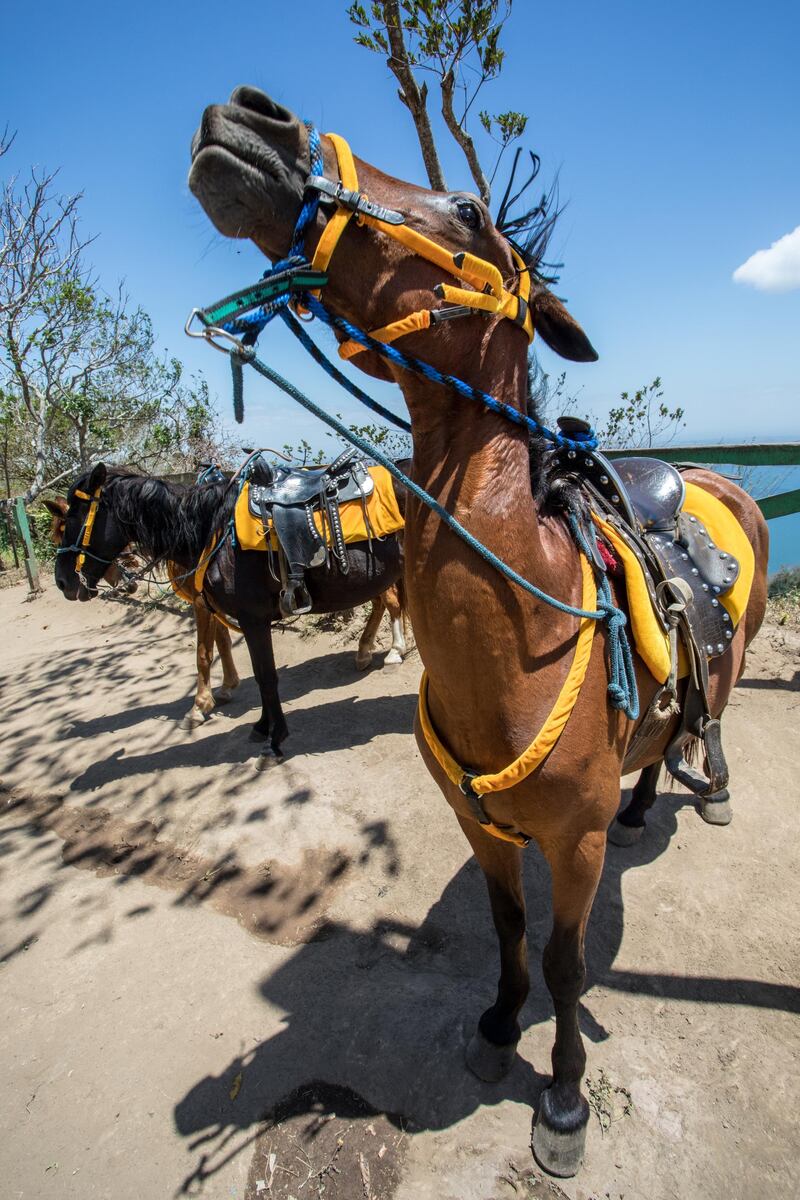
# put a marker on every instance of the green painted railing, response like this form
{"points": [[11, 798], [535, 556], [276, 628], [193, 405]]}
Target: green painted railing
{"points": [[753, 454]]}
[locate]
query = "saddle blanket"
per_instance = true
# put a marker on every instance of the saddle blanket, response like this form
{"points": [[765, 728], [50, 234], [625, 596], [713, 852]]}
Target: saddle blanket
{"points": [[652, 643], [382, 512]]}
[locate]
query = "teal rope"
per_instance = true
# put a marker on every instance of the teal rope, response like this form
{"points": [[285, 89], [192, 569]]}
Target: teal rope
{"points": [[622, 688]]}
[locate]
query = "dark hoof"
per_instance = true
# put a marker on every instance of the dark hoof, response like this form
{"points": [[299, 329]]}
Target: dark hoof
{"points": [[267, 759], [624, 835], [488, 1061], [716, 809], [558, 1144]]}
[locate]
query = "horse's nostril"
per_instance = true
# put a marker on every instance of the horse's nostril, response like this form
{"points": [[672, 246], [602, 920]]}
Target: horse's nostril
{"points": [[259, 102]]}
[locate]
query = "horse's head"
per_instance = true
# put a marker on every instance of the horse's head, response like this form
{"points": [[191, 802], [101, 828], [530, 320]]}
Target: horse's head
{"points": [[90, 536], [250, 163]]}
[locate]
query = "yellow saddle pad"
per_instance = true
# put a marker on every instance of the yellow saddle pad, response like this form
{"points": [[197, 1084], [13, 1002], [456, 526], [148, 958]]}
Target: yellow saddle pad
{"points": [[651, 641], [382, 513]]}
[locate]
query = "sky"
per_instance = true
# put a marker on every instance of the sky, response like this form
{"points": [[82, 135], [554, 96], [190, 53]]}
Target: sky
{"points": [[672, 128]]}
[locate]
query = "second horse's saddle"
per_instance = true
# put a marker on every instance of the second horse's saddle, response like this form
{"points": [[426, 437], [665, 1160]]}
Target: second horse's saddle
{"points": [[686, 574], [288, 499]]}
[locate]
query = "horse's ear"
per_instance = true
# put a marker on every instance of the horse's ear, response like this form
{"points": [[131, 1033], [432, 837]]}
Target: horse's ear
{"points": [[561, 331], [57, 508], [97, 478]]}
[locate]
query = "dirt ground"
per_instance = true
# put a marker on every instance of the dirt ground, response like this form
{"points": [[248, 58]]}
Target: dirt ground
{"points": [[235, 984]]}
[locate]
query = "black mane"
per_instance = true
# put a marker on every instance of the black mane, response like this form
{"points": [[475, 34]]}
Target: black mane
{"points": [[530, 231], [168, 520]]}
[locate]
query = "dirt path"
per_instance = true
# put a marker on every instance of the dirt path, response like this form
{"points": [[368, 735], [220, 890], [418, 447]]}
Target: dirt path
{"points": [[239, 985]]}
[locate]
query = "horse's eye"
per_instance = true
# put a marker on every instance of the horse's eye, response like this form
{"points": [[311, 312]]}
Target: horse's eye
{"points": [[469, 214]]}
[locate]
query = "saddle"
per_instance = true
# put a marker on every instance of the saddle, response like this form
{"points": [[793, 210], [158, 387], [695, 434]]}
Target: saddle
{"points": [[287, 499], [640, 503]]}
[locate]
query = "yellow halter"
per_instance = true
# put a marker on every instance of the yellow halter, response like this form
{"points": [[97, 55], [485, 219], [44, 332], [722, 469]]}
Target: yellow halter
{"points": [[88, 524], [489, 295]]}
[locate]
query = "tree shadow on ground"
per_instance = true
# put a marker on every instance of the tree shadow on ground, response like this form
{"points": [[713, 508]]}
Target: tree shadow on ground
{"points": [[387, 1012]]}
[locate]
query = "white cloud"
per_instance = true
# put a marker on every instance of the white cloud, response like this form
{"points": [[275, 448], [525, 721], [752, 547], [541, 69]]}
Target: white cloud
{"points": [[776, 269]]}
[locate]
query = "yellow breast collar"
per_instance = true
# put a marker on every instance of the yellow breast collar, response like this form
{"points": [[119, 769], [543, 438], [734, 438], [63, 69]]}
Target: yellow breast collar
{"points": [[542, 744], [490, 295]]}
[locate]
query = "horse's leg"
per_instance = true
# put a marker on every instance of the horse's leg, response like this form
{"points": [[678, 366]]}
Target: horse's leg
{"points": [[230, 676], [204, 697], [392, 600], [559, 1131], [272, 723], [628, 826], [366, 643], [491, 1051]]}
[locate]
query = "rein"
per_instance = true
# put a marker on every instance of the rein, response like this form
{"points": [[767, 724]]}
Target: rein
{"points": [[294, 281]]}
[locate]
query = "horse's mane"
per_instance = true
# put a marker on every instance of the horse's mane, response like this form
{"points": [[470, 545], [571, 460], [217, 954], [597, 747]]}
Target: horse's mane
{"points": [[554, 491], [172, 520], [530, 230]]}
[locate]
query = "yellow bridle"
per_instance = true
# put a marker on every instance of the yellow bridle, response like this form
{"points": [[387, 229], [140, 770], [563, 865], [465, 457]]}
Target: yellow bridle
{"points": [[88, 525], [489, 295]]}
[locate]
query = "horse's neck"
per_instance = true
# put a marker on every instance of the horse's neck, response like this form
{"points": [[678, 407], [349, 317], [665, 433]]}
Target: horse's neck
{"points": [[476, 630]]}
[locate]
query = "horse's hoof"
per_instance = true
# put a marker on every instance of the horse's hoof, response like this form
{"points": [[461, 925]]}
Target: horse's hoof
{"points": [[558, 1145], [223, 695], [716, 809], [488, 1061], [193, 719], [393, 658], [363, 662], [267, 759], [624, 835]]}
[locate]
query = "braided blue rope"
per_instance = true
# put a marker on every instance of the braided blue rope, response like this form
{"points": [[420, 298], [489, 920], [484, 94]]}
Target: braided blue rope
{"points": [[587, 441], [623, 692]]}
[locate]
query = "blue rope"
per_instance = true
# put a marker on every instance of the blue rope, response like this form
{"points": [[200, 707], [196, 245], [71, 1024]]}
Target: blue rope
{"points": [[586, 441], [335, 374]]}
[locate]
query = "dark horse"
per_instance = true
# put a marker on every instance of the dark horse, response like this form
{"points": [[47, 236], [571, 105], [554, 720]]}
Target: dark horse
{"points": [[496, 658], [176, 524]]}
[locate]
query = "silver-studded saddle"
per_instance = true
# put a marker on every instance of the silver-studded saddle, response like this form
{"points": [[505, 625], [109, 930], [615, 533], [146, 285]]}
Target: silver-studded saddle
{"points": [[686, 574]]}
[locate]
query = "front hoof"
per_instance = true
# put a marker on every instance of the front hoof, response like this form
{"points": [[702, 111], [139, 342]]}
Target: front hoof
{"points": [[488, 1061], [223, 695], [193, 719], [624, 835], [558, 1142], [267, 759], [716, 809], [393, 659], [363, 661]]}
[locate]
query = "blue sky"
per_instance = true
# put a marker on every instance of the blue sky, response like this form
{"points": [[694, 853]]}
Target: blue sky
{"points": [[673, 128]]}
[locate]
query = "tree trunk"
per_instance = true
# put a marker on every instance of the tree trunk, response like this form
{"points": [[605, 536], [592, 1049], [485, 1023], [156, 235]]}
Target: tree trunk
{"points": [[463, 138], [413, 96]]}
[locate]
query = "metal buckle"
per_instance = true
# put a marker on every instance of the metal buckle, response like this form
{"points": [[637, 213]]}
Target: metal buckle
{"points": [[356, 202], [210, 332], [453, 310]]}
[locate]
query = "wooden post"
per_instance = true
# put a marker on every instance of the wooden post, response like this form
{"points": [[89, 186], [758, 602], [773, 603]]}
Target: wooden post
{"points": [[24, 529]]}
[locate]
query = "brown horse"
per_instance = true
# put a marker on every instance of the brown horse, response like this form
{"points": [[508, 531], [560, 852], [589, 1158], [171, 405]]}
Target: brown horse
{"points": [[496, 658]]}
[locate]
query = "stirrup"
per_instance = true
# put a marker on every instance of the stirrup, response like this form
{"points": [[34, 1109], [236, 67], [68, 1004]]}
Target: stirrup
{"points": [[295, 599], [694, 780]]}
